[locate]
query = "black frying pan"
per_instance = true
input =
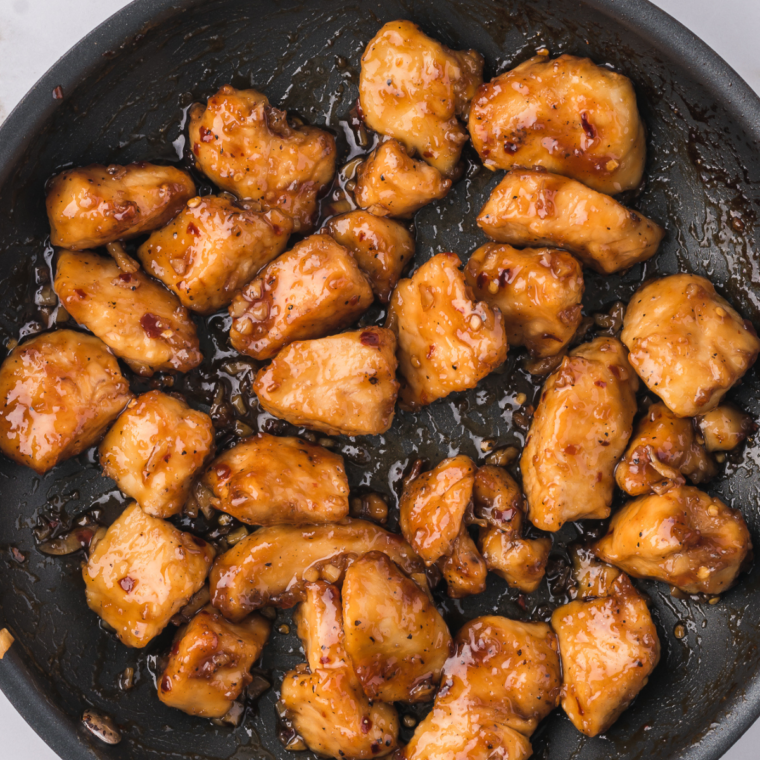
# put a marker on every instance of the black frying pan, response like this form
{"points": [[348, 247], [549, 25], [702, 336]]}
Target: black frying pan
{"points": [[125, 86]]}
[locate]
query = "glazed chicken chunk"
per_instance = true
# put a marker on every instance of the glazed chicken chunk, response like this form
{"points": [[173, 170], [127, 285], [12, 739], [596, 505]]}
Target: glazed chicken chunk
{"points": [[682, 537], [464, 570], [210, 663], [447, 341], [60, 392], [138, 319], [579, 432], [142, 573], [567, 115], [269, 480], [687, 343], [249, 148], [413, 88], [97, 205], [391, 183], [213, 248], [725, 427], [313, 290], [538, 292], [156, 449], [341, 385], [537, 208]]}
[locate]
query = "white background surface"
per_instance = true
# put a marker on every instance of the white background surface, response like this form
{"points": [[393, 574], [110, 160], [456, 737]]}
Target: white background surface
{"points": [[35, 33]]}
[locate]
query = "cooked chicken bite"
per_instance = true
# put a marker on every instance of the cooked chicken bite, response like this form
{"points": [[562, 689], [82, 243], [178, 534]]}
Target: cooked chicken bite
{"points": [[209, 664], [138, 319], [593, 578], [413, 88], [96, 205], [725, 427], [313, 290], [142, 572], [60, 392], [567, 115], [447, 341], [464, 569], [579, 432], [682, 537], [342, 385], [686, 342], [537, 208]]}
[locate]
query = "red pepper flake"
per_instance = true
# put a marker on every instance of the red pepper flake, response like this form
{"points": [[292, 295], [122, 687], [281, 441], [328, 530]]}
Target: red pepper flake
{"points": [[588, 127], [166, 683], [369, 338], [85, 538], [199, 542], [521, 602], [58, 93], [125, 277], [152, 325], [193, 230], [483, 280], [127, 584], [511, 147], [366, 725], [126, 212], [80, 294], [600, 383], [196, 149], [206, 135]]}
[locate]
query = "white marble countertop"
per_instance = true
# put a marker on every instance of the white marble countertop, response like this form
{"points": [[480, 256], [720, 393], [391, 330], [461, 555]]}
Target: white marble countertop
{"points": [[35, 33]]}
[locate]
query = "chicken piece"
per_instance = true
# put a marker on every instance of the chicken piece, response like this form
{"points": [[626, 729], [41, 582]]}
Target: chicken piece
{"points": [[725, 427], [537, 208], [500, 507], [324, 702], [155, 450], [413, 88], [664, 448], [313, 290], [686, 342], [245, 146], [142, 572], [213, 248], [609, 648], [447, 341], [538, 292], [396, 638], [382, 248], [464, 570], [60, 392], [269, 480], [682, 537], [210, 663], [341, 385], [391, 183], [567, 115], [138, 319], [593, 578], [96, 205], [272, 565], [579, 432]]}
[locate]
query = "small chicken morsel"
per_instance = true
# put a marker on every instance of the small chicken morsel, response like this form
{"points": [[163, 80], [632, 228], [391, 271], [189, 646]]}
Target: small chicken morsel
{"points": [[210, 663], [499, 504], [245, 146], [97, 205], [413, 88], [592, 577], [142, 572], [725, 427], [464, 569], [447, 341], [313, 290], [391, 183], [567, 115], [270, 480], [382, 247], [342, 385], [538, 292], [60, 392], [663, 449], [138, 319], [213, 248], [155, 450], [682, 537], [272, 565], [396, 638], [579, 432], [687, 343], [537, 208]]}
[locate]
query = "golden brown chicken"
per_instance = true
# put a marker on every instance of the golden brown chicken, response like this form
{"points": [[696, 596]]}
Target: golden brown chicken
{"points": [[342, 385], [96, 205], [686, 342], [537, 208], [567, 115], [313, 290], [248, 147], [579, 432], [725, 427], [591, 576], [138, 319], [464, 570], [143, 572], [447, 341]]}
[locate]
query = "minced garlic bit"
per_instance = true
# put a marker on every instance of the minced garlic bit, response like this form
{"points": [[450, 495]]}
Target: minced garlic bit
{"points": [[6, 639]]}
